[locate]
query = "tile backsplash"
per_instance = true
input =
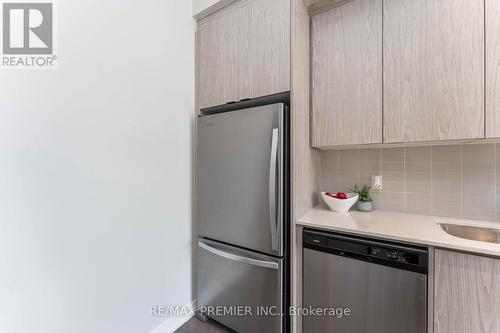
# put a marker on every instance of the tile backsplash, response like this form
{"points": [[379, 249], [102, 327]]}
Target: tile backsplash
{"points": [[452, 181]]}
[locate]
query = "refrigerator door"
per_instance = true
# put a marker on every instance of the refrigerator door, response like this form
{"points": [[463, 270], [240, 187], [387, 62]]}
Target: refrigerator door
{"points": [[240, 172], [237, 287]]}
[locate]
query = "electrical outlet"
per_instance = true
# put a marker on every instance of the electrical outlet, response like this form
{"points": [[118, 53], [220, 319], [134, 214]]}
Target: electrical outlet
{"points": [[376, 182]]}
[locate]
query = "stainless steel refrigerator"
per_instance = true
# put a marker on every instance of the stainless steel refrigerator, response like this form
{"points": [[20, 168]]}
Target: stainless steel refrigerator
{"points": [[243, 195]]}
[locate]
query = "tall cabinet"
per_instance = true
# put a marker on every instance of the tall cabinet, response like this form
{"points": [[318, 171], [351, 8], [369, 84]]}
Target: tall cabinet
{"points": [[254, 48], [347, 74]]}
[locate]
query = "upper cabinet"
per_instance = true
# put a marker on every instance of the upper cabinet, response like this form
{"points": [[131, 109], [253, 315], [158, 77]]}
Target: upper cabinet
{"points": [[434, 70], [218, 57], [265, 48], [243, 51], [492, 68], [418, 65], [347, 75]]}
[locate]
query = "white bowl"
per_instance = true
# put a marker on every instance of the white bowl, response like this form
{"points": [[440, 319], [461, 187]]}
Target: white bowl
{"points": [[340, 205]]}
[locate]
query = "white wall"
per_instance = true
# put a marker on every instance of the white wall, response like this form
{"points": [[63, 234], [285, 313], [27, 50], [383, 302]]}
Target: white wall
{"points": [[201, 6], [95, 172]]}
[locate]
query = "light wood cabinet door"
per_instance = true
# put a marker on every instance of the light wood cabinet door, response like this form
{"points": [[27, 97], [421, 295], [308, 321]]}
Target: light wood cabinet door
{"points": [[347, 75], [492, 68], [466, 293], [264, 59], [433, 70], [243, 52], [218, 57]]}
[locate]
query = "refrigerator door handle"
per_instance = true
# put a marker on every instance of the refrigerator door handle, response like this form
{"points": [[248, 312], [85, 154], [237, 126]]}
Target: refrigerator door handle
{"points": [[234, 257], [273, 219]]}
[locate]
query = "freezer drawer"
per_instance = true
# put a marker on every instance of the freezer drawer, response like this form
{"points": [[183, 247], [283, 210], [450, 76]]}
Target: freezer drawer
{"points": [[240, 178], [232, 280], [381, 299]]}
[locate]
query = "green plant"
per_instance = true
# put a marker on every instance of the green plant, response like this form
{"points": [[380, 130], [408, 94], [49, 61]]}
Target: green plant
{"points": [[364, 193]]}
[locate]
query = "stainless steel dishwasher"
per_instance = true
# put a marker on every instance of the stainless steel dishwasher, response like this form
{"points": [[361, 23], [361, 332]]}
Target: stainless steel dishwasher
{"points": [[362, 285]]}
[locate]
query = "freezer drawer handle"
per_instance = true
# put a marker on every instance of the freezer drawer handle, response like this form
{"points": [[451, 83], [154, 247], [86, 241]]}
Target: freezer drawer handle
{"points": [[273, 219], [230, 256]]}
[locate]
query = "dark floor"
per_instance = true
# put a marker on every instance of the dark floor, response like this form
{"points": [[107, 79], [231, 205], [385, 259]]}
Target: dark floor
{"points": [[196, 326]]}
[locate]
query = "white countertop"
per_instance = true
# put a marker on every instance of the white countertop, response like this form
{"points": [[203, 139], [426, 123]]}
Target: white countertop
{"points": [[407, 228]]}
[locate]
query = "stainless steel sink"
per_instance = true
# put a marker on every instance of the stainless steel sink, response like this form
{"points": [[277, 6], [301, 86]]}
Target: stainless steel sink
{"points": [[472, 233]]}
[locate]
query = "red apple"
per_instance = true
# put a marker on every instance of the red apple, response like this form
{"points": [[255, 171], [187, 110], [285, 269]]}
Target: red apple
{"points": [[341, 195]]}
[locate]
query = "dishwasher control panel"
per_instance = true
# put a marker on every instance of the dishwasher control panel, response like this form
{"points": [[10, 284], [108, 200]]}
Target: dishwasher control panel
{"points": [[358, 248], [391, 254]]}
